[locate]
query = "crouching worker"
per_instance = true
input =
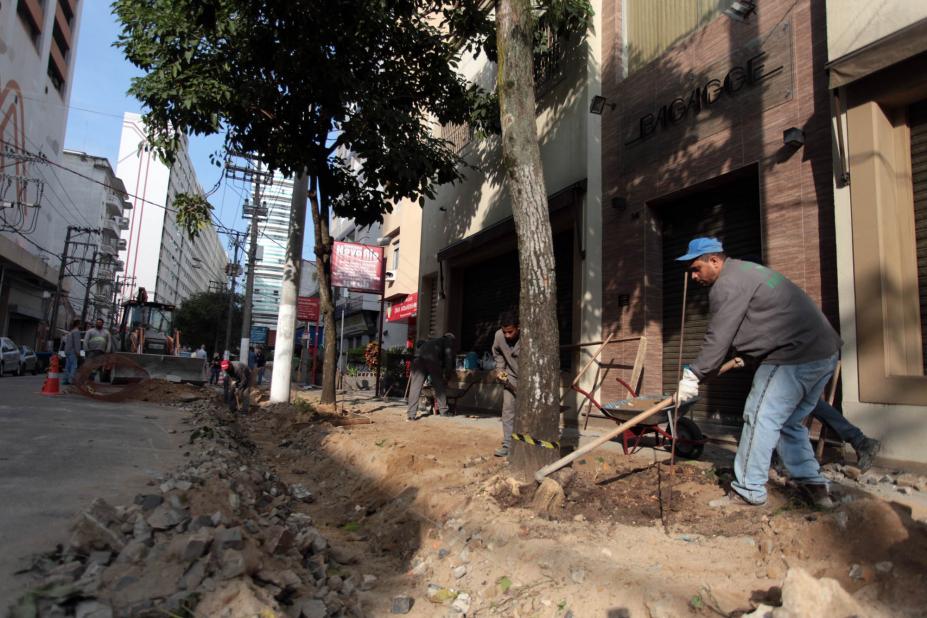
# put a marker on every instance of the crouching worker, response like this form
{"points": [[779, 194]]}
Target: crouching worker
{"points": [[762, 315], [435, 359], [239, 375]]}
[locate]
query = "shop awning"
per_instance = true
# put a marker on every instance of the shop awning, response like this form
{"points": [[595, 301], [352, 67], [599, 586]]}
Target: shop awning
{"points": [[406, 309], [887, 51]]}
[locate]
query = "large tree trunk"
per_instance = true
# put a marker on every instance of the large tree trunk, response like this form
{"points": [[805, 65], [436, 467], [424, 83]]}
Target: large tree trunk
{"points": [[323, 265], [537, 410]]}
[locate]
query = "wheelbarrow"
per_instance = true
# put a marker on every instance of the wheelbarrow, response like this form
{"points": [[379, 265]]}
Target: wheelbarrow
{"points": [[689, 439]]}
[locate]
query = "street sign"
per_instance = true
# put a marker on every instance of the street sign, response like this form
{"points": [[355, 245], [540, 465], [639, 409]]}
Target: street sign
{"points": [[405, 309], [357, 267], [259, 334], [307, 309]]}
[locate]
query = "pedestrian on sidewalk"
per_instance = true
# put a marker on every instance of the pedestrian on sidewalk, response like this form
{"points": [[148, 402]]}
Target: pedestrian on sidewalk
{"points": [[761, 315], [434, 358], [97, 342], [72, 345], [240, 389], [260, 361], [506, 346], [214, 367]]}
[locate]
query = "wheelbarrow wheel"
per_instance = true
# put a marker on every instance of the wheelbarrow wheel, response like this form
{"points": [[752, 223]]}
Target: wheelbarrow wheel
{"points": [[690, 442]]}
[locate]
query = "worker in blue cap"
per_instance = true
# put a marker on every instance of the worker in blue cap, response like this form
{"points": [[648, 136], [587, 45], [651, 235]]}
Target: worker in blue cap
{"points": [[761, 315]]}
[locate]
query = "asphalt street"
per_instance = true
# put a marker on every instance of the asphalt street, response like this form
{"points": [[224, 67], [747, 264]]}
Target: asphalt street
{"points": [[59, 453]]}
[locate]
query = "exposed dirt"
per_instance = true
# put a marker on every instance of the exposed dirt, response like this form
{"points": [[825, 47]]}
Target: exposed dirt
{"points": [[415, 501]]}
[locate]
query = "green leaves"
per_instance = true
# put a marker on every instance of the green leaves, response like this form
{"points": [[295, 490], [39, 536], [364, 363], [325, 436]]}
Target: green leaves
{"points": [[194, 212]]}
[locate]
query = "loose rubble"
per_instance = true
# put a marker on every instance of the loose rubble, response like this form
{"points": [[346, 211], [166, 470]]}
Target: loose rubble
{"points": [[221, 536]]}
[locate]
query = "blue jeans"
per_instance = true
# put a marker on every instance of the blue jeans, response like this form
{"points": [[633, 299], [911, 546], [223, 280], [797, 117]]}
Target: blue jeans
{"points": [[780, 399], [70, 367], [830, 416], [260, 374]]}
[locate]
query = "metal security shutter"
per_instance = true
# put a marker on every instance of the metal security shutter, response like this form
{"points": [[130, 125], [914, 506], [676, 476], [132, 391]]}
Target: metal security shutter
{"points": [[491, 287], [917, 121], [731, 214]]}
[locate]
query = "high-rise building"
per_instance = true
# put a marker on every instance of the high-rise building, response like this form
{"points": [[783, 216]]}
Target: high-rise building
{"points": [[37, 42], [273, 234], [158, 255]]}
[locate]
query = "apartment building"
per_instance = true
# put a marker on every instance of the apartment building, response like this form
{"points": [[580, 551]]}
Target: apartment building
{"points": [[158, 255], [36, 68], [877, 87], [100, 197]]}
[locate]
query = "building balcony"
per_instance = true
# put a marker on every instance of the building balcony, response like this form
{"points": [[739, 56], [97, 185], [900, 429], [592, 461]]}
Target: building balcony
{"points": [[109, 247], [114, 204]]}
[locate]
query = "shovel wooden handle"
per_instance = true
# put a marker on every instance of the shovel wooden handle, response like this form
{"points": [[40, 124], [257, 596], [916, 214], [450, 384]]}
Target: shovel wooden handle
{"points": [[550, 468]]}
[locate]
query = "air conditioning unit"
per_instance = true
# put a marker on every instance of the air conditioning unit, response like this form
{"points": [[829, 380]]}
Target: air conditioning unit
{"points": [[391, 275], [122, 244]]}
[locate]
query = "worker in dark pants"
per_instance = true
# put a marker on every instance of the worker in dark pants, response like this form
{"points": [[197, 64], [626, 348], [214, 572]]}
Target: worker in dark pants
{"points": [[866, 448], [434, 358], [239, 375], [505, 348]]}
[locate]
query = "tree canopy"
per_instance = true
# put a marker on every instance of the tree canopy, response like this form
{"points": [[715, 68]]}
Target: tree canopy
{"points": [[300, 82], [201, 319]]}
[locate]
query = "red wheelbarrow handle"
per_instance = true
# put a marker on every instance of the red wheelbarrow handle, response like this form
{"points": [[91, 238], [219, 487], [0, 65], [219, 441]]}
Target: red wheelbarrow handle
{"points": [[548, 469]]}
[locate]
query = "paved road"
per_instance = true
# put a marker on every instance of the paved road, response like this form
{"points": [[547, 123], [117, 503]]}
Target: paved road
{"points": [[59, 453]]}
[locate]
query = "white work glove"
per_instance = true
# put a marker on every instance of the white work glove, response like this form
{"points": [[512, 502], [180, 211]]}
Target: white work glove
{"points": [[688, 388]]}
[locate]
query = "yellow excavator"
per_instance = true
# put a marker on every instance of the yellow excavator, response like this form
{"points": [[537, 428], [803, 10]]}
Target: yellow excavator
{"points": [[147, 338]]}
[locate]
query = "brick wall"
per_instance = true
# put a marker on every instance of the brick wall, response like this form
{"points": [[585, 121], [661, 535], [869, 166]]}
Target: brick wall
{"points": [[796, 198]]}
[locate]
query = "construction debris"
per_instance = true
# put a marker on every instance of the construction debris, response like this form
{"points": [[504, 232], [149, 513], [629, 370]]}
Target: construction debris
{"points": [[224, 537]]}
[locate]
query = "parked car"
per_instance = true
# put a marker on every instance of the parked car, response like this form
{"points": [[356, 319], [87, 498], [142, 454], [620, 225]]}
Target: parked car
{"points": [[9, 356], [28, 361]]}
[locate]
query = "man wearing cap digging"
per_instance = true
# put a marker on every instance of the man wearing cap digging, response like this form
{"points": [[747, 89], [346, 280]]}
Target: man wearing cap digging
{"points": [[762, 315]]}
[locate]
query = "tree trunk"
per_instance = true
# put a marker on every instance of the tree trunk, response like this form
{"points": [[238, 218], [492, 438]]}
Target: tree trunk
{"points": [[289, 292], [537, 410], [323, 265]]}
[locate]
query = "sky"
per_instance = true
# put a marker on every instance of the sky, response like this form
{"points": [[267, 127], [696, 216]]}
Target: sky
{"points": [[98, 99]]}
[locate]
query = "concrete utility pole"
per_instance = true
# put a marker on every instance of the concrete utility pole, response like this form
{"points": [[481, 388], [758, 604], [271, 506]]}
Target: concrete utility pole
{"points": [[83, 311], [232, 269], [256, 211], [289, 291], [53, 324]]}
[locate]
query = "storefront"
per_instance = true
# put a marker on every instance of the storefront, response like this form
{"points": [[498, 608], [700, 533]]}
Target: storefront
{"points": [[878, 81], [720, 128]]}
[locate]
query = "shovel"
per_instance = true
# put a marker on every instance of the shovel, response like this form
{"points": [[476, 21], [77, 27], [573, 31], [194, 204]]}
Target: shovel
{"points": [[654, 409]]}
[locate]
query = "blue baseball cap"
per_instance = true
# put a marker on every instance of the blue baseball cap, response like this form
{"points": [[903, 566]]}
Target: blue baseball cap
{"points": [[700, 246]]}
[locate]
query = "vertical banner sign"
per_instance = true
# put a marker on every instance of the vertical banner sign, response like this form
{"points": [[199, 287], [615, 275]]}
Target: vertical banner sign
{"points": [[357, 267]]}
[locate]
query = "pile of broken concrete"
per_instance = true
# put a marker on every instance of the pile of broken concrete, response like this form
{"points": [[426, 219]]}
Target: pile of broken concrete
{"points": [[220, 537]]}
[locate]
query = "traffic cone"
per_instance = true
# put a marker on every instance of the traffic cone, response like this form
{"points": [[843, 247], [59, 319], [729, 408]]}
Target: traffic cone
{"points": [[51, 386]]}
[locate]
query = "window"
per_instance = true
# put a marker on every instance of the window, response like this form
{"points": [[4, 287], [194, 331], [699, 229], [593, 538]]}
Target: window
{"points": [[653, 27], [395, 262]]}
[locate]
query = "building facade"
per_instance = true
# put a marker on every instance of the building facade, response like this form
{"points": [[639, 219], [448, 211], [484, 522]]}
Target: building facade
{"points": [[158, 255], [877, 72], [403, 229], [356, 313], [102, 200], [36, 68], [720, 126], [468, 269]]}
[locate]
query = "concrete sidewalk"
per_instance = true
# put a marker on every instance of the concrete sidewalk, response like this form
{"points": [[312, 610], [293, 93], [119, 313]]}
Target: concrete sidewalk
{"points": [[59, 453]]}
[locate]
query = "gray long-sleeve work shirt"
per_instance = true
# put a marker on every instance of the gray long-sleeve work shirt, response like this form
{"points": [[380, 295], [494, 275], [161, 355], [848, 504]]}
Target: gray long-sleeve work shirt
{"points": [[506, 355], [72, 342], [764, 316]]}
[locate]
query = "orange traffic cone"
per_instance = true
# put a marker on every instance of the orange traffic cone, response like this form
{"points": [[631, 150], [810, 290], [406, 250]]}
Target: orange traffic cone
{"points": [[51, 386]]}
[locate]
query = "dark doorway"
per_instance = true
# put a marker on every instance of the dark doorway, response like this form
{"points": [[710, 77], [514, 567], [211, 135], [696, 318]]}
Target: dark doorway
{"points": [[727, 208]]}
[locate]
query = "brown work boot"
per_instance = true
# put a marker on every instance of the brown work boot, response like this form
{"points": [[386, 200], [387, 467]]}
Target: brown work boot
{"points": [[817, 495]]}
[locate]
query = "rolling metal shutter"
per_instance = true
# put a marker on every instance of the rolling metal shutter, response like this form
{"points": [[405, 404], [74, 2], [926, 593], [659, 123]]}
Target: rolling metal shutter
{"points": [[731, 214], [432, 283], [917, 121], [491, 287]]}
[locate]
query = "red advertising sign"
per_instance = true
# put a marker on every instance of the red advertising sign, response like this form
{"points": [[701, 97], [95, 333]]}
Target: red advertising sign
{"points": [[406, 309], [357, 267], [307, 309]]}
